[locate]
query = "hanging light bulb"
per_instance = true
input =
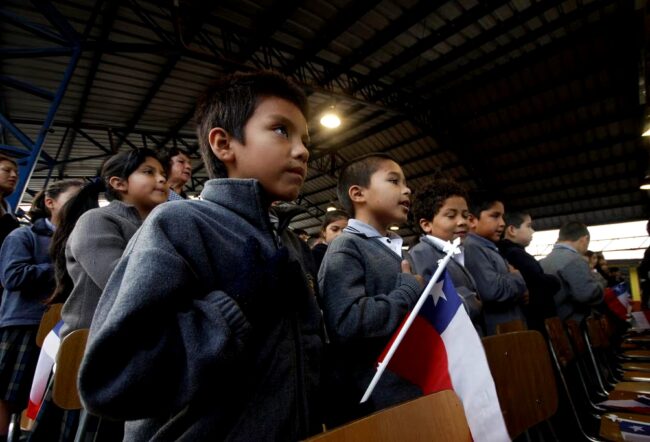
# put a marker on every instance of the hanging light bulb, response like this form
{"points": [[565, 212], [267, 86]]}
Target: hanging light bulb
{"points": [[330, 119]]}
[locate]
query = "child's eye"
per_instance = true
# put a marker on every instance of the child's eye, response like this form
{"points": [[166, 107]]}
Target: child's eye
{"points": [[394, 180], [282, 130]]}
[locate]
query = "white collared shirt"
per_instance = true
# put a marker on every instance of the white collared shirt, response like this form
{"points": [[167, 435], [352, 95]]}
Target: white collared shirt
{"points": [[393, 241]]}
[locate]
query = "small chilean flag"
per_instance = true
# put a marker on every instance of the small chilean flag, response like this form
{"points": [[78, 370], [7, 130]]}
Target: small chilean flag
{"points": [[43, 370], [441, 351]]}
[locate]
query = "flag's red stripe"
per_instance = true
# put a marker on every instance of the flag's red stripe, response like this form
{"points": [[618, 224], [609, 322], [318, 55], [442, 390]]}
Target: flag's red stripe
{"points": [[421, 358]]}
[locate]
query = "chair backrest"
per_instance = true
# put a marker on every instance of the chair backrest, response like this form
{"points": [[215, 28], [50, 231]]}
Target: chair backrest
{"points": [[511, 326], [524, 379], [68, 360], [51, 316], [438, 416], [575, 334], [595, 333], [559, 341]]}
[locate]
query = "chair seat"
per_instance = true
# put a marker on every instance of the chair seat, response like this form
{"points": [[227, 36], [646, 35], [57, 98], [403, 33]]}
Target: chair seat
{"points": [[636, 376], [636, 366], [632, 387], [637, 354]]}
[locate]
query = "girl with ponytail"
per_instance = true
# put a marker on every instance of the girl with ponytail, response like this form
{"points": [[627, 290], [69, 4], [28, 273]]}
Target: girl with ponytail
{"points": [[93, 239], [27, 274]]}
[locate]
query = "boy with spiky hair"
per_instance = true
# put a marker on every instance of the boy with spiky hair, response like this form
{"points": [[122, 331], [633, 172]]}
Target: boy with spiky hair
{"points": [[367, 287], [541, 286], [208, 328]]}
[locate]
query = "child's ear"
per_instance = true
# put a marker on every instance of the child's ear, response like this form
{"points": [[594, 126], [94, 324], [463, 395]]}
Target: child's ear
{"points": [[510, 231], [219, 140], [119, 184], [49, 203], [425, 225], [357, 194]]}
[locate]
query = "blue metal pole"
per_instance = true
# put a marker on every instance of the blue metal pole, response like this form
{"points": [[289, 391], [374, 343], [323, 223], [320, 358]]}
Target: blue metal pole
{"points": [[27, 169]]}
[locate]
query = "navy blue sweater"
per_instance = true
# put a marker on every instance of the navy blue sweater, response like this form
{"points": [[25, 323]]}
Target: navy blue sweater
{"points": [[27, 274]]}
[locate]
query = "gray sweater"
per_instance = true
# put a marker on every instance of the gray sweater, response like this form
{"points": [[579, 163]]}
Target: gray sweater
{"points": [[207, 330], [579, 288], [92, 252], [501, 291], [365, 299]]}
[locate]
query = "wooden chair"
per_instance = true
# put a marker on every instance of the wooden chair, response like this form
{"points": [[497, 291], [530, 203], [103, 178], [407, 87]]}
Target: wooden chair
{"points": [[50, 318], [523, 375], [511, 326], [438, 416], [68, 360]]}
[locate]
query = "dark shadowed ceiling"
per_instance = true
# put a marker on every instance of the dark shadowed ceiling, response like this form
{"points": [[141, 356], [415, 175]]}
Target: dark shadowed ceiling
{"points": [[543, 101]]}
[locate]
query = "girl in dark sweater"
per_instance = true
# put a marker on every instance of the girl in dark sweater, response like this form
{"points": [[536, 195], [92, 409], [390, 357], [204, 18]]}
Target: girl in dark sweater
{"points": [[27, 277]]}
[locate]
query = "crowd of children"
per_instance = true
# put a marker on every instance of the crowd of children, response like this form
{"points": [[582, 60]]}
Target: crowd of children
{"points": [[211, 320]]}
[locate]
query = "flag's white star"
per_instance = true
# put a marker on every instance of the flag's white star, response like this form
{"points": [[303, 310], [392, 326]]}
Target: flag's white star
{"points": [[437, 293], [636, 428]]}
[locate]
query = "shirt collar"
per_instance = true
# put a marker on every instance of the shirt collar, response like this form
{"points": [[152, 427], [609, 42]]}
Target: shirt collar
{"points": [[483, 241], [564, 246], [392, 240]]}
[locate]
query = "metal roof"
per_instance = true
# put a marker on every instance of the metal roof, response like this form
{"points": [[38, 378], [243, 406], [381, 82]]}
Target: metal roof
{"points": [[543, 101]]}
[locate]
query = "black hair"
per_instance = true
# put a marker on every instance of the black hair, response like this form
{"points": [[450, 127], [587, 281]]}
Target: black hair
{"points": [[120, 165], [573, 231], [8, 159], [331, 216], [299, 232], [515, 219], [481, 200], [358, 172], [432, 196], [231, 101], [167, 160], [53, 190]]}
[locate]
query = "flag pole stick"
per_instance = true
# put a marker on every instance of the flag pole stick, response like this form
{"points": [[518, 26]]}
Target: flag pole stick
{"points": [[411, 317]]}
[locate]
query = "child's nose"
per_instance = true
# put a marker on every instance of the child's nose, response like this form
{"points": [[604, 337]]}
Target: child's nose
{"points": [[301, 151]]}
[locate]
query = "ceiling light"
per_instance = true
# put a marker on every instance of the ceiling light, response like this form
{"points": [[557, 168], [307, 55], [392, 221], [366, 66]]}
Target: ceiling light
{"points": [[644, 134], [394, 228], [645, 183], [331, 209], [330, 120]]}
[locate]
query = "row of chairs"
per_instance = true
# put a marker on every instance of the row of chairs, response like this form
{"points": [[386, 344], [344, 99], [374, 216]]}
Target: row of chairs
{"points": [[542, 384], [584, 360]]}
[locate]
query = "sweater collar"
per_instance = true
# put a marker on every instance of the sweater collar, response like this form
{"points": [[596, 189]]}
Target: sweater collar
{"points": [[124, 210], [241, 196], [483, 241]]}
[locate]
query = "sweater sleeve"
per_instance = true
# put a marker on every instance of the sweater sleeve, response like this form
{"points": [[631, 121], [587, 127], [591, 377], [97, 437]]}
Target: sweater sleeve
{"points": [[153, 341], [492, 284], [96, 231], [532, 272], [352, 313], [18, 270], [583, 287]]}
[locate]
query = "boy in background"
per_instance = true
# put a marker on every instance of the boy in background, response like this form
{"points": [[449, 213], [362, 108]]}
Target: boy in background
{"points": [[208, 328], [541, 286], [502, 288], [367, 288], [440, 208]]}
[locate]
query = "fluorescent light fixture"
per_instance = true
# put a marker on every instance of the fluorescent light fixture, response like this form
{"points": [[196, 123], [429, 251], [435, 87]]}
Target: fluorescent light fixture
{"points": [[644, 134], [394, 228], [645, 183], [405, 247], [330, 120], [331, 209]]}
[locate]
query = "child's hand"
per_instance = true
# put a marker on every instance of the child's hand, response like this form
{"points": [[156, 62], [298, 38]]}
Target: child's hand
{"points": [[406, 268], [511, 269]]}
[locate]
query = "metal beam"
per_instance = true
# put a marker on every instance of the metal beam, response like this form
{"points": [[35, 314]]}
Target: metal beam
{"points": [[344, 19], [108, 18]]}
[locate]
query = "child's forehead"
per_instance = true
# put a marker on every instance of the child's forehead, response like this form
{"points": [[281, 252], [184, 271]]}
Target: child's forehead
{"points": [[385, 166]]}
